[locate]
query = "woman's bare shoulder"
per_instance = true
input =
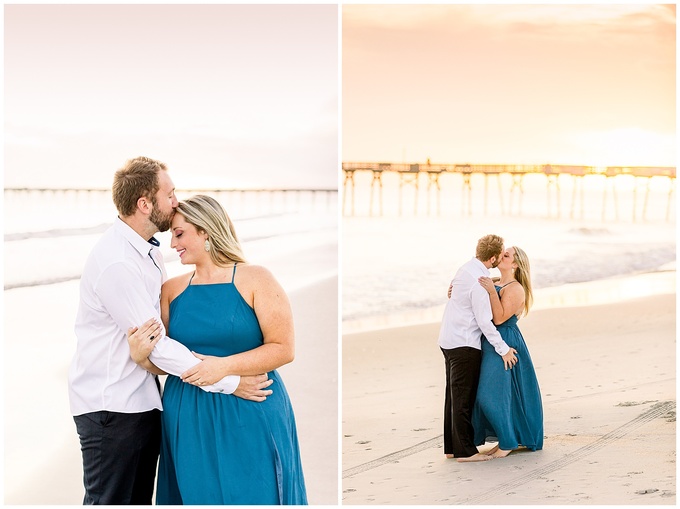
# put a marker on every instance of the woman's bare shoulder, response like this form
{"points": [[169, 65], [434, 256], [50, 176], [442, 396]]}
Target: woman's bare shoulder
{"points": [[176, 284], [514, 289], [254, 272], [257, 279]]}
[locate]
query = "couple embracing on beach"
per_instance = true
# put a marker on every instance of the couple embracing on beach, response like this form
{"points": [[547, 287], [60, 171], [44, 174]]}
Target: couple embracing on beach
{"points": [[492, 392], [227, 432]]}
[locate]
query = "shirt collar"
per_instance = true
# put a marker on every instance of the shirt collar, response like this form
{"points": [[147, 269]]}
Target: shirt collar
{"points": [[481, 266], [134, 238]]}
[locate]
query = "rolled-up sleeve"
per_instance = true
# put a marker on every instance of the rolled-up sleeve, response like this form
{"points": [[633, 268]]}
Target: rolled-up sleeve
{"points": [[129, 305]]}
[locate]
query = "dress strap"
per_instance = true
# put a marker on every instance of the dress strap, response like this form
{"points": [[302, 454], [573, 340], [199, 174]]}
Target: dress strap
{"points": [[191, 278], [233, 274], [506, 284]]}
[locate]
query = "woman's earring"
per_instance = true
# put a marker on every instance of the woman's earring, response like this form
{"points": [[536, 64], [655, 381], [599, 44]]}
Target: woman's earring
{"points": [[207, 245]]}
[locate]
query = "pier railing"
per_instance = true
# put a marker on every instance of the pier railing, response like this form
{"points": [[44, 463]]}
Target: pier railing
{"points": [[411, 175]]}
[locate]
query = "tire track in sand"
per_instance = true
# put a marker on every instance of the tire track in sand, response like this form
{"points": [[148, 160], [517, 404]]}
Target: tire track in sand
{"points": [[656, 411]]}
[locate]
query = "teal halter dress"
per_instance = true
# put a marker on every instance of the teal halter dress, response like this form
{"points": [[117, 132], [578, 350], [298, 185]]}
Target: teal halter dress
{"points": [[220, 449], [508, 407]]}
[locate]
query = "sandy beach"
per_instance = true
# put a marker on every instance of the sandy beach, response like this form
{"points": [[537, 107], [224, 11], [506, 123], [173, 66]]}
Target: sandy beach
{"points": [[42, 453], [607, 374]]}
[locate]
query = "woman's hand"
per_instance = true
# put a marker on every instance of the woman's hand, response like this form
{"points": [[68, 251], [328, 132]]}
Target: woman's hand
{"points": [[206, 372], [487, 284], [142, 340]]}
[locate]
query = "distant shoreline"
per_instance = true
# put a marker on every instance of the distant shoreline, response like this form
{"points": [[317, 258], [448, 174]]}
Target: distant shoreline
{"points": [[600, 291], [102, 227]]}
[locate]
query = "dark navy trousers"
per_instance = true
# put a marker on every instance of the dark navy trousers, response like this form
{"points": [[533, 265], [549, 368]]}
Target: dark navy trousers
{"points": [[120, 455]]}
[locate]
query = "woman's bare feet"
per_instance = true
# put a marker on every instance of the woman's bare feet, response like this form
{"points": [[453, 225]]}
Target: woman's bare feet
{"points": [[474, 457], [500, 453]]}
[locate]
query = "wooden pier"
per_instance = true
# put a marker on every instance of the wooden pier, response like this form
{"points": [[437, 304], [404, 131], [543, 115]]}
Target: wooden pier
{"points": [[266, 200], [410, 175]]}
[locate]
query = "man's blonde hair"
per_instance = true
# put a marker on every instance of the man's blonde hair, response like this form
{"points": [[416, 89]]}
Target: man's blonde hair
{"points": [[139, 177], [488, 247]]}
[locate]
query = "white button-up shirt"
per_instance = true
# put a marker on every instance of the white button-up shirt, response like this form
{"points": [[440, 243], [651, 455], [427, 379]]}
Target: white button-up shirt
{"points": [[120, 288], [468, 312]]}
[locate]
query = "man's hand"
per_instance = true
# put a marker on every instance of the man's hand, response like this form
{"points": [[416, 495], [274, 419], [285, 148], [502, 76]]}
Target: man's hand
{"points": [[206, 372], [252, 388], [143, 339], [509, 359]]}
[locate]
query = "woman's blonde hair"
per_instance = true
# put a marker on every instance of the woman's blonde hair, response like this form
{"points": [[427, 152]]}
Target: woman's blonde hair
{"points": [[208, 216], [523, 277]]}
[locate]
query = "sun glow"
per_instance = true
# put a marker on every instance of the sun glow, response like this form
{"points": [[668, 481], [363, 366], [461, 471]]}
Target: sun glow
{"points": [[626, 147], [590, 85]]}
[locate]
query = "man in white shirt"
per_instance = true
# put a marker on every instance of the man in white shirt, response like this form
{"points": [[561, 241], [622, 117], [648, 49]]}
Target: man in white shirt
{"points": [[466, 317], [116, 403]]}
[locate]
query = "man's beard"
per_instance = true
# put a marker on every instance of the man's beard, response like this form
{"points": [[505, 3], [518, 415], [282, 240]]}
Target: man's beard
{"points": [[162, 221]]}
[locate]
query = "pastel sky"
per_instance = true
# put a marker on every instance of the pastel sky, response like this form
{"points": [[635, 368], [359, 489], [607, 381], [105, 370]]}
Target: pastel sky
{"points": [[510, 84], [232, 95]]}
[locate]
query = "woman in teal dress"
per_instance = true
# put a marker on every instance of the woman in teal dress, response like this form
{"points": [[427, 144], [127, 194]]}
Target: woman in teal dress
{"points": [[508, 408], [217, 448]]}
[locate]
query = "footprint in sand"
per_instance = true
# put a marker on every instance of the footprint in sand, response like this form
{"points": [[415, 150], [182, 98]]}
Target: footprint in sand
{"points": [[648, 490]]}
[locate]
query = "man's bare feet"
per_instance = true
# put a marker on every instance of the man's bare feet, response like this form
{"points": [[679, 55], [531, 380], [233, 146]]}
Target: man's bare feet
{"points": [[474, 457], [492, 450], [500, 453], [449, 456]]}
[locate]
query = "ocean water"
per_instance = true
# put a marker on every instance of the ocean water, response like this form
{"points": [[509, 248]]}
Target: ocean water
{"points": [[48, 235], [399, 264]]}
